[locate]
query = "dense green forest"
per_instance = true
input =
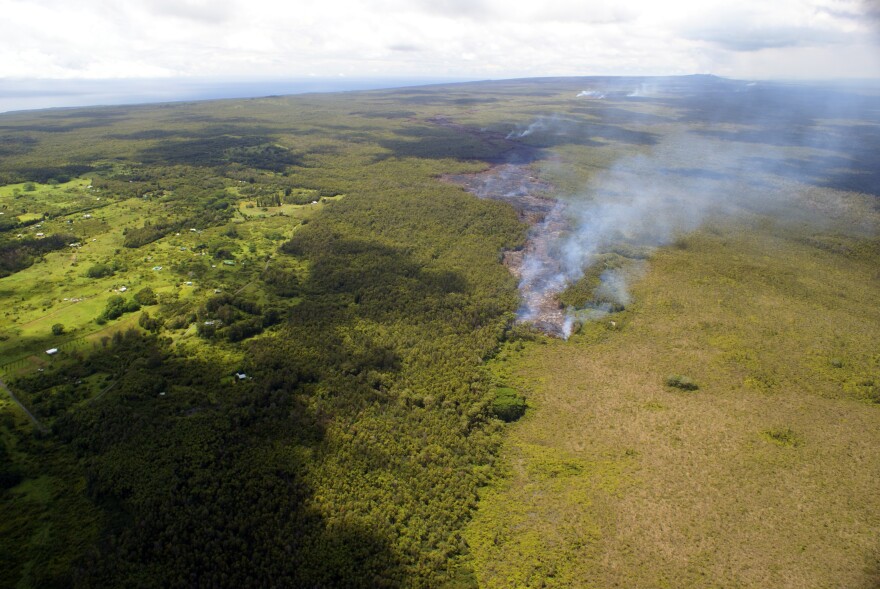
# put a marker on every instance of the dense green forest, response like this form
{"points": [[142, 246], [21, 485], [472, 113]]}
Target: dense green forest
{"points": [[350, 451], [280, 331]]}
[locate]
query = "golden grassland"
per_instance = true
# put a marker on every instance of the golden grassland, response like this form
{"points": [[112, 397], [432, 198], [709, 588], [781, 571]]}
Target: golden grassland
{"points": [[767, 476]]}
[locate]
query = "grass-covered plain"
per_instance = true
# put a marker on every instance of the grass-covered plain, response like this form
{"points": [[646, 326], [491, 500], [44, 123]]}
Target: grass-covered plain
{"points": [[766, 475]]}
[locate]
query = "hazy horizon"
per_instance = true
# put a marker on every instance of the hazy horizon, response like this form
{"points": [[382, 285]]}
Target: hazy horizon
{"points": [[39, 94], [373, 41], [18, 95]]}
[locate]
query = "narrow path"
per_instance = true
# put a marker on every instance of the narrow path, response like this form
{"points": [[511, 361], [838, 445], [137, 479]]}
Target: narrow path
{"points": [[260, 275], [57, 310], [27, 412], [104, 390]]}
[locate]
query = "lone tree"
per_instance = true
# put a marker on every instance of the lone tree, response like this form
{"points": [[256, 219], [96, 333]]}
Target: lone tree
{"points": [[99, 271], [146, 296], [57, 329]]}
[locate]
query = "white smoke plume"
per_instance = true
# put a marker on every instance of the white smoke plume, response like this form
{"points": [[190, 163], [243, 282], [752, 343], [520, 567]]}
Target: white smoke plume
{"points": [[554, 124], [644, 90], [594, 94], [714, 147], [643, 202], [613, 287]]}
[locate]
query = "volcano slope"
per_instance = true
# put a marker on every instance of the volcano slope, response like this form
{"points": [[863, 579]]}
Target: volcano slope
{"points": [[289, 346]]}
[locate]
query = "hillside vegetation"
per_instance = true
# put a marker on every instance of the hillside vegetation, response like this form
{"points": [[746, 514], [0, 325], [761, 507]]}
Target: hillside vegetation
{"points": [[286, 350]]}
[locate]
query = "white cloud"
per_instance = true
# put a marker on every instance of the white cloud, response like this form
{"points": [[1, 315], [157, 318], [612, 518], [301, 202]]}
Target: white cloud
{"points": [[203, 11], [771, 25], [436, 38]]}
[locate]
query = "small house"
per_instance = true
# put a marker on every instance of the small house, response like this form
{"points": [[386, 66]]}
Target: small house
{"points": [[52, 351]]}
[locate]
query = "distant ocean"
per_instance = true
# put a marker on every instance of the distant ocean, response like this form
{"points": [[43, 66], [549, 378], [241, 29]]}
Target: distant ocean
{"points": [[38, 94]]}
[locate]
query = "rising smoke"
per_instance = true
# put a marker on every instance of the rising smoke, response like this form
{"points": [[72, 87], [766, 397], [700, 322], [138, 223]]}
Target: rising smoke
{"points": [[644, 90], [553, 124], [594, 94], [640, 203], [713, 147], [643, 202]]}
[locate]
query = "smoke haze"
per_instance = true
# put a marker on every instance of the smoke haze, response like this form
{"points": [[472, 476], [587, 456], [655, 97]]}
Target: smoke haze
{"points": [[688, 149], [743, 163]]}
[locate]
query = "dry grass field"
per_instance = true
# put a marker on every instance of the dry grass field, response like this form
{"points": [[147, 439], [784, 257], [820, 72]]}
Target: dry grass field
{"points": [[765, 476]]}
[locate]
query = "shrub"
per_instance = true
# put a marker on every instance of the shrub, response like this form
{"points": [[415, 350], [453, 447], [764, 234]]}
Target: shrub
{"points": [[116, 307], [130, 306], [783, 436], [146, 296], [244, 329], [99, 271], [508, 404], [681, 382], [152, 324], [871, 390]]}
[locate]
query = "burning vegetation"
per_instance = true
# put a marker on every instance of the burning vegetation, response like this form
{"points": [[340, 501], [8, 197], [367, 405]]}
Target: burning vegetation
{"points": [[537, 265]]}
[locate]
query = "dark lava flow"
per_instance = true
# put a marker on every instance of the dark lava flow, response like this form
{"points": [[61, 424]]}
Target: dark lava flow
{"points": [[538, 265]]}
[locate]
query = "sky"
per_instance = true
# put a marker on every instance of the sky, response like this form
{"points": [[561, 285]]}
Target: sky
{"points": [[435, 39]]}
